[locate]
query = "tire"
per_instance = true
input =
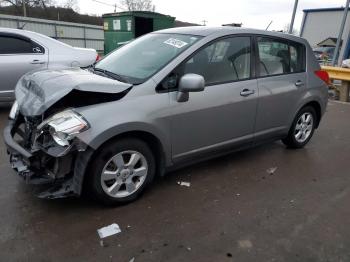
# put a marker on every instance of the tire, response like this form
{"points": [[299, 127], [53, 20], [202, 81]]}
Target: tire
{"points": [[300, 125], [118, 165]]}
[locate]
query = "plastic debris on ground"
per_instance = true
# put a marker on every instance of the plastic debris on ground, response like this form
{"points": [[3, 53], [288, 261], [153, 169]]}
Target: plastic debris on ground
{"points": [[108, 231], [182, 183], [271, 170], [245, 243]]}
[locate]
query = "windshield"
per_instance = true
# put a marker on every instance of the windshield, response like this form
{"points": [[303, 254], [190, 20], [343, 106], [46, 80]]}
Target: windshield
{"points": [[145, 56]]}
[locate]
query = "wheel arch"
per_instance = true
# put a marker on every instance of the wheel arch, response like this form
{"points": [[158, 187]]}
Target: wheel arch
{"points": [[315, 105], [150, 139]]}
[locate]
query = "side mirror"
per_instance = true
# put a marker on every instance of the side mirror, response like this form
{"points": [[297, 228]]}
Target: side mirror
{"points": [[189, 83]]}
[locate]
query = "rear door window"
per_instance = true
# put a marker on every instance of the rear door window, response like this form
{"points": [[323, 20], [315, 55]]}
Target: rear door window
{"points": [[14, 45], [277, 57]]}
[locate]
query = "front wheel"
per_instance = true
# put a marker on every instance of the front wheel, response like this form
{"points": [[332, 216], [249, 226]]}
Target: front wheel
{"points": [[302, 128], [121, 171]]}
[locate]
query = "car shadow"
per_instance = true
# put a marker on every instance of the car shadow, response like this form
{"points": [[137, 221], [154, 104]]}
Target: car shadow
{"points": [[196, 173]]}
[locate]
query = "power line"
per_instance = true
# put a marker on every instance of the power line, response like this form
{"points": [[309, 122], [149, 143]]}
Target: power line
{"points": [[108, 4]]}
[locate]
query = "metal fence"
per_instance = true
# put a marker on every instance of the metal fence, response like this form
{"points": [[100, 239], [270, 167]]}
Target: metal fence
{"points": [[74, 34]]}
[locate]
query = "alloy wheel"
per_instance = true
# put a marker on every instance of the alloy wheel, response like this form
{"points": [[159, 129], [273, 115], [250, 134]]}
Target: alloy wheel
{"points": [[124, 174], [304, 127]]}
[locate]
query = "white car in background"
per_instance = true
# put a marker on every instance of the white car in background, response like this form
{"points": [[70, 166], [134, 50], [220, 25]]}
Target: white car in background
{"points": [[22, 51]]}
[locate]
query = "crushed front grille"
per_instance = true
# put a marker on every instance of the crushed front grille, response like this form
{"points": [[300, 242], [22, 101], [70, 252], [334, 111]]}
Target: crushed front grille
{"points": [[24, 130]]}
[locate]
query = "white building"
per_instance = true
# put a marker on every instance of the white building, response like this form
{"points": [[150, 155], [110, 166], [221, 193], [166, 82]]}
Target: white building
{"points": [[321, 24]]}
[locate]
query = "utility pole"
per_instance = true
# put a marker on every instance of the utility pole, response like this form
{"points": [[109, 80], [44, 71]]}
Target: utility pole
{"points": [[204, 22], [341, 30], [293, 17], [24, 8]]}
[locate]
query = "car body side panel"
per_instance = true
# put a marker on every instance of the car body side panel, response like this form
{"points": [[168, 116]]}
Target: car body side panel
{"points": [[215, 117], [278, 98]]}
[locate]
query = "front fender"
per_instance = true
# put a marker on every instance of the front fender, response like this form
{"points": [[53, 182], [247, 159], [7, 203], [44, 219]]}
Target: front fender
{"points": [[113, 119], [114, 131]]}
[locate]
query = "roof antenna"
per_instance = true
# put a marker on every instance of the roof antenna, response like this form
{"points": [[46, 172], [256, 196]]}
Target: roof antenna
{"points": [[269, 25], [21, 27]]}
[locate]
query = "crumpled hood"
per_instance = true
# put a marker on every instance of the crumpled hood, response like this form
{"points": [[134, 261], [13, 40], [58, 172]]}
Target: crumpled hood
{"points": [[38, 91]]}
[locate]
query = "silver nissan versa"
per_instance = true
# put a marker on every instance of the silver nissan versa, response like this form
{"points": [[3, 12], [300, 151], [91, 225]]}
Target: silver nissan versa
{"points": [[164, 100]]}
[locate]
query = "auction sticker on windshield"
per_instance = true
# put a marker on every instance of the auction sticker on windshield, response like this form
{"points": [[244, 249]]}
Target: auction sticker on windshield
{"points": [[175, 42]]}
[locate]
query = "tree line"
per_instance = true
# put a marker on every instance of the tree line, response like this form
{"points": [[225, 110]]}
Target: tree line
{"points": [[67, 10]]}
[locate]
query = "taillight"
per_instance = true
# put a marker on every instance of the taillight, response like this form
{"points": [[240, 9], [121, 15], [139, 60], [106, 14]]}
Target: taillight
{"points": [[98, 58], [323, 75]]}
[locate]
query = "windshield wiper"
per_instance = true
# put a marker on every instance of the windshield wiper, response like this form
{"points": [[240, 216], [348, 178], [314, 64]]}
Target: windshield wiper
{"points": [[111, 74]]}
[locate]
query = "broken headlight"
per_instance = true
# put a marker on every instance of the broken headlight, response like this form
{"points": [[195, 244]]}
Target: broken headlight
{"points": [[14, 110], [64, 126]]}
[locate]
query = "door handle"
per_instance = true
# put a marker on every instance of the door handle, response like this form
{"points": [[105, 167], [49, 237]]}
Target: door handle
{"points": [[37, 62], [299, 83], [247, 92]]}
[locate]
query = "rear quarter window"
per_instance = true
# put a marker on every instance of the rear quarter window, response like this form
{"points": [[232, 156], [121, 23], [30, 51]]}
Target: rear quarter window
{"points": [[297, 55]]}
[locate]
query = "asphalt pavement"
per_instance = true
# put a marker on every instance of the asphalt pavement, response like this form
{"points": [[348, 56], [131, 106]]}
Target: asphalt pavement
{"points": [[234, 210]]}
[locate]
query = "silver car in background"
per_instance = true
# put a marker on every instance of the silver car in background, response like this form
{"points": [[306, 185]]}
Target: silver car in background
{"points": [[164, 100], [23, 51]]}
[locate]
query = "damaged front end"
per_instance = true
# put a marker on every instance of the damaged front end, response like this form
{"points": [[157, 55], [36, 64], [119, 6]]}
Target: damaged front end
{"points": [[46, 152], [41, 136]]}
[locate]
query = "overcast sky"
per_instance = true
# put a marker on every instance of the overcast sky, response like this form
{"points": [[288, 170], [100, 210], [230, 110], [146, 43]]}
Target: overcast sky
{"points": [[252, 13]]}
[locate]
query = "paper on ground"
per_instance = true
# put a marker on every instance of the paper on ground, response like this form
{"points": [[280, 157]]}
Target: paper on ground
{"points": [[109, 230], [181, 183], [271, 170]]}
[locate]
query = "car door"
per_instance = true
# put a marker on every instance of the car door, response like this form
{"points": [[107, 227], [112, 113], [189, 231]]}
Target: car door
{"points": [[223, 115], [281, 82], [18, 55]]}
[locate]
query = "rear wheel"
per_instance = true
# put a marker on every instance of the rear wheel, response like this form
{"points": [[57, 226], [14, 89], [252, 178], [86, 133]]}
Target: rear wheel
{"points": [[121, 171], [302, 128]]}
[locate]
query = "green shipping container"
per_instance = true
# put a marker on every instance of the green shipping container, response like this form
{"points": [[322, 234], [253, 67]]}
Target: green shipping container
{"points": [[120, 28]]}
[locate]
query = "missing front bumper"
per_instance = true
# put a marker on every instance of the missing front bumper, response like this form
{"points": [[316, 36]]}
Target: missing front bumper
{"points": [[53, 187], [62, 176]]}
